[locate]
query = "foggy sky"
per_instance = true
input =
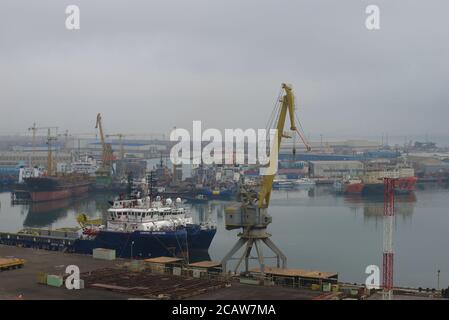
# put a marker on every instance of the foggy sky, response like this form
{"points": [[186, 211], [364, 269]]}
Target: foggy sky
{"points": [[148, 66]]}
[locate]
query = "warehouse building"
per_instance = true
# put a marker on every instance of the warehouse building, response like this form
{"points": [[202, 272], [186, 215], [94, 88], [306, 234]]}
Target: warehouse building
{"points": [[335, 169]]}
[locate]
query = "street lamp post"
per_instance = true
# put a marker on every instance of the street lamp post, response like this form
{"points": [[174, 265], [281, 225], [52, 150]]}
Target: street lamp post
{"points": [[132, 246]]}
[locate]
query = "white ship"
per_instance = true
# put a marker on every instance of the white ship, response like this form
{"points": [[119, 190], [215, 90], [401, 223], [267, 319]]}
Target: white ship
{"points": [[147, 215], [88, 166]]}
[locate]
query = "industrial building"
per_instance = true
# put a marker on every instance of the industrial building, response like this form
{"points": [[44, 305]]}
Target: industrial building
{"points": [[335, 169], [38, 158]]}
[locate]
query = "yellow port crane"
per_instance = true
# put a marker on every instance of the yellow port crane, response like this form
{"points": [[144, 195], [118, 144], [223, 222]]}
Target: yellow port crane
{"points": [[106, 147], [251, 214], [288, 105], [120, 137]]}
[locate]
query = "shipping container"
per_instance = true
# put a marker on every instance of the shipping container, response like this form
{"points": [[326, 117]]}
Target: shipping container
{"points": [[103, 254], [54, 280]]}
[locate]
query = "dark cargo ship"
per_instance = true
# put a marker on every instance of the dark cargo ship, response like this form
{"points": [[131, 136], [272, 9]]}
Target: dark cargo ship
{"points": [[48, 188]]}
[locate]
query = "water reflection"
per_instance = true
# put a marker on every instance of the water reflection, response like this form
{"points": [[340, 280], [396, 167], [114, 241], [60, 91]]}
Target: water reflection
{"points": [[49, 213], [316, 228]]}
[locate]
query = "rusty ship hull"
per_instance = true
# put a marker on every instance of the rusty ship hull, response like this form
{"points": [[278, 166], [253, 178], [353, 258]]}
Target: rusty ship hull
{"points": [[57, 188]]}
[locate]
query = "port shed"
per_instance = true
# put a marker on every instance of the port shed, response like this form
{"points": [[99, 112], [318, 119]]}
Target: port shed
{"points": [[163, 264], [164, 260], [207, 266], [299, 277]]}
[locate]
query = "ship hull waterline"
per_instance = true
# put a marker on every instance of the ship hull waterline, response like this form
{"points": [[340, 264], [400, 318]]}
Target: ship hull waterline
{"points": [[137, 244]]}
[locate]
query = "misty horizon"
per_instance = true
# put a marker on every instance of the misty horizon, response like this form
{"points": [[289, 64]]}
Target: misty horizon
{"points": [[148, 67]]}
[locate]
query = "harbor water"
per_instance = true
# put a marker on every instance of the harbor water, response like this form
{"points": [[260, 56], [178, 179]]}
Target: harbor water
{"points": [[316, 228]]}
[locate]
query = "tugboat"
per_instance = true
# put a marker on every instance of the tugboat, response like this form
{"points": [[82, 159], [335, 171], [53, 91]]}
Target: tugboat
{"points": [[405, 184], [349, 186]]}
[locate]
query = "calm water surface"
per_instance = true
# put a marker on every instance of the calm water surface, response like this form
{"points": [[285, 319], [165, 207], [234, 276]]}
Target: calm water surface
{"points": [[315, 228]]}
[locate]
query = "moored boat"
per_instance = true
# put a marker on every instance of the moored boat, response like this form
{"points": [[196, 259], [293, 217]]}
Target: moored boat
{"points": [[349, 186], [403, 184], [304, 182], [47, 188], [137, 228]]}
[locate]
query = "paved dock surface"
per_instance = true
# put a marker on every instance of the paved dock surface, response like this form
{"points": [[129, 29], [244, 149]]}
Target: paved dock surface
{"points": [[24, 281], [239, 291]]}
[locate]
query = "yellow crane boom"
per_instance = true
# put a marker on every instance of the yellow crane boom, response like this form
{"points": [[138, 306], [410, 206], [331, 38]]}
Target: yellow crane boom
{"points": [[288, 105], [120, 137], [106, 148], [252, 213]]}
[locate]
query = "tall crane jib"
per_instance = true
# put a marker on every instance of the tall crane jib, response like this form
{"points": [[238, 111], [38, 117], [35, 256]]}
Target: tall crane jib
{"points": [[251, 214], [106, 147]]}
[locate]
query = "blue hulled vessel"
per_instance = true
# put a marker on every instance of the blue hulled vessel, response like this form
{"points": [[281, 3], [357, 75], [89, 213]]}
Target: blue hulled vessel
{"points": [[135, 228]]}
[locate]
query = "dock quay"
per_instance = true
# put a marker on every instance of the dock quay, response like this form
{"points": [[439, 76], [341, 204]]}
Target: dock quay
{"points": [[149, 285], [120, 279], [54, 240], [170, 278]]}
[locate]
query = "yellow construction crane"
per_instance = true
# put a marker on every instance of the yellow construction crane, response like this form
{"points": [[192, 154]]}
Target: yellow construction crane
{"points": [[251, 215]]}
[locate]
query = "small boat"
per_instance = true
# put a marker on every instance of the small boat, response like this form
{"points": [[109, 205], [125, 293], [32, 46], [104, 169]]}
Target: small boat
{"points": [[293, 183], [283, 183], [304, 182], [199, 198], [349, 186]]}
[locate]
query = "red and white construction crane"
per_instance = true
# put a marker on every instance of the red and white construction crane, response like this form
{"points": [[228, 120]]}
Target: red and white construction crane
{"points": [[388, 254]]}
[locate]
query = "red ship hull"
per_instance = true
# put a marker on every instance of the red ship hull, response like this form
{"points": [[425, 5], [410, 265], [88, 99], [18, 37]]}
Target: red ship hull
{"points": [[405, 185], [56, 188], [401, 186], [352, 188], [59, 194]]}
